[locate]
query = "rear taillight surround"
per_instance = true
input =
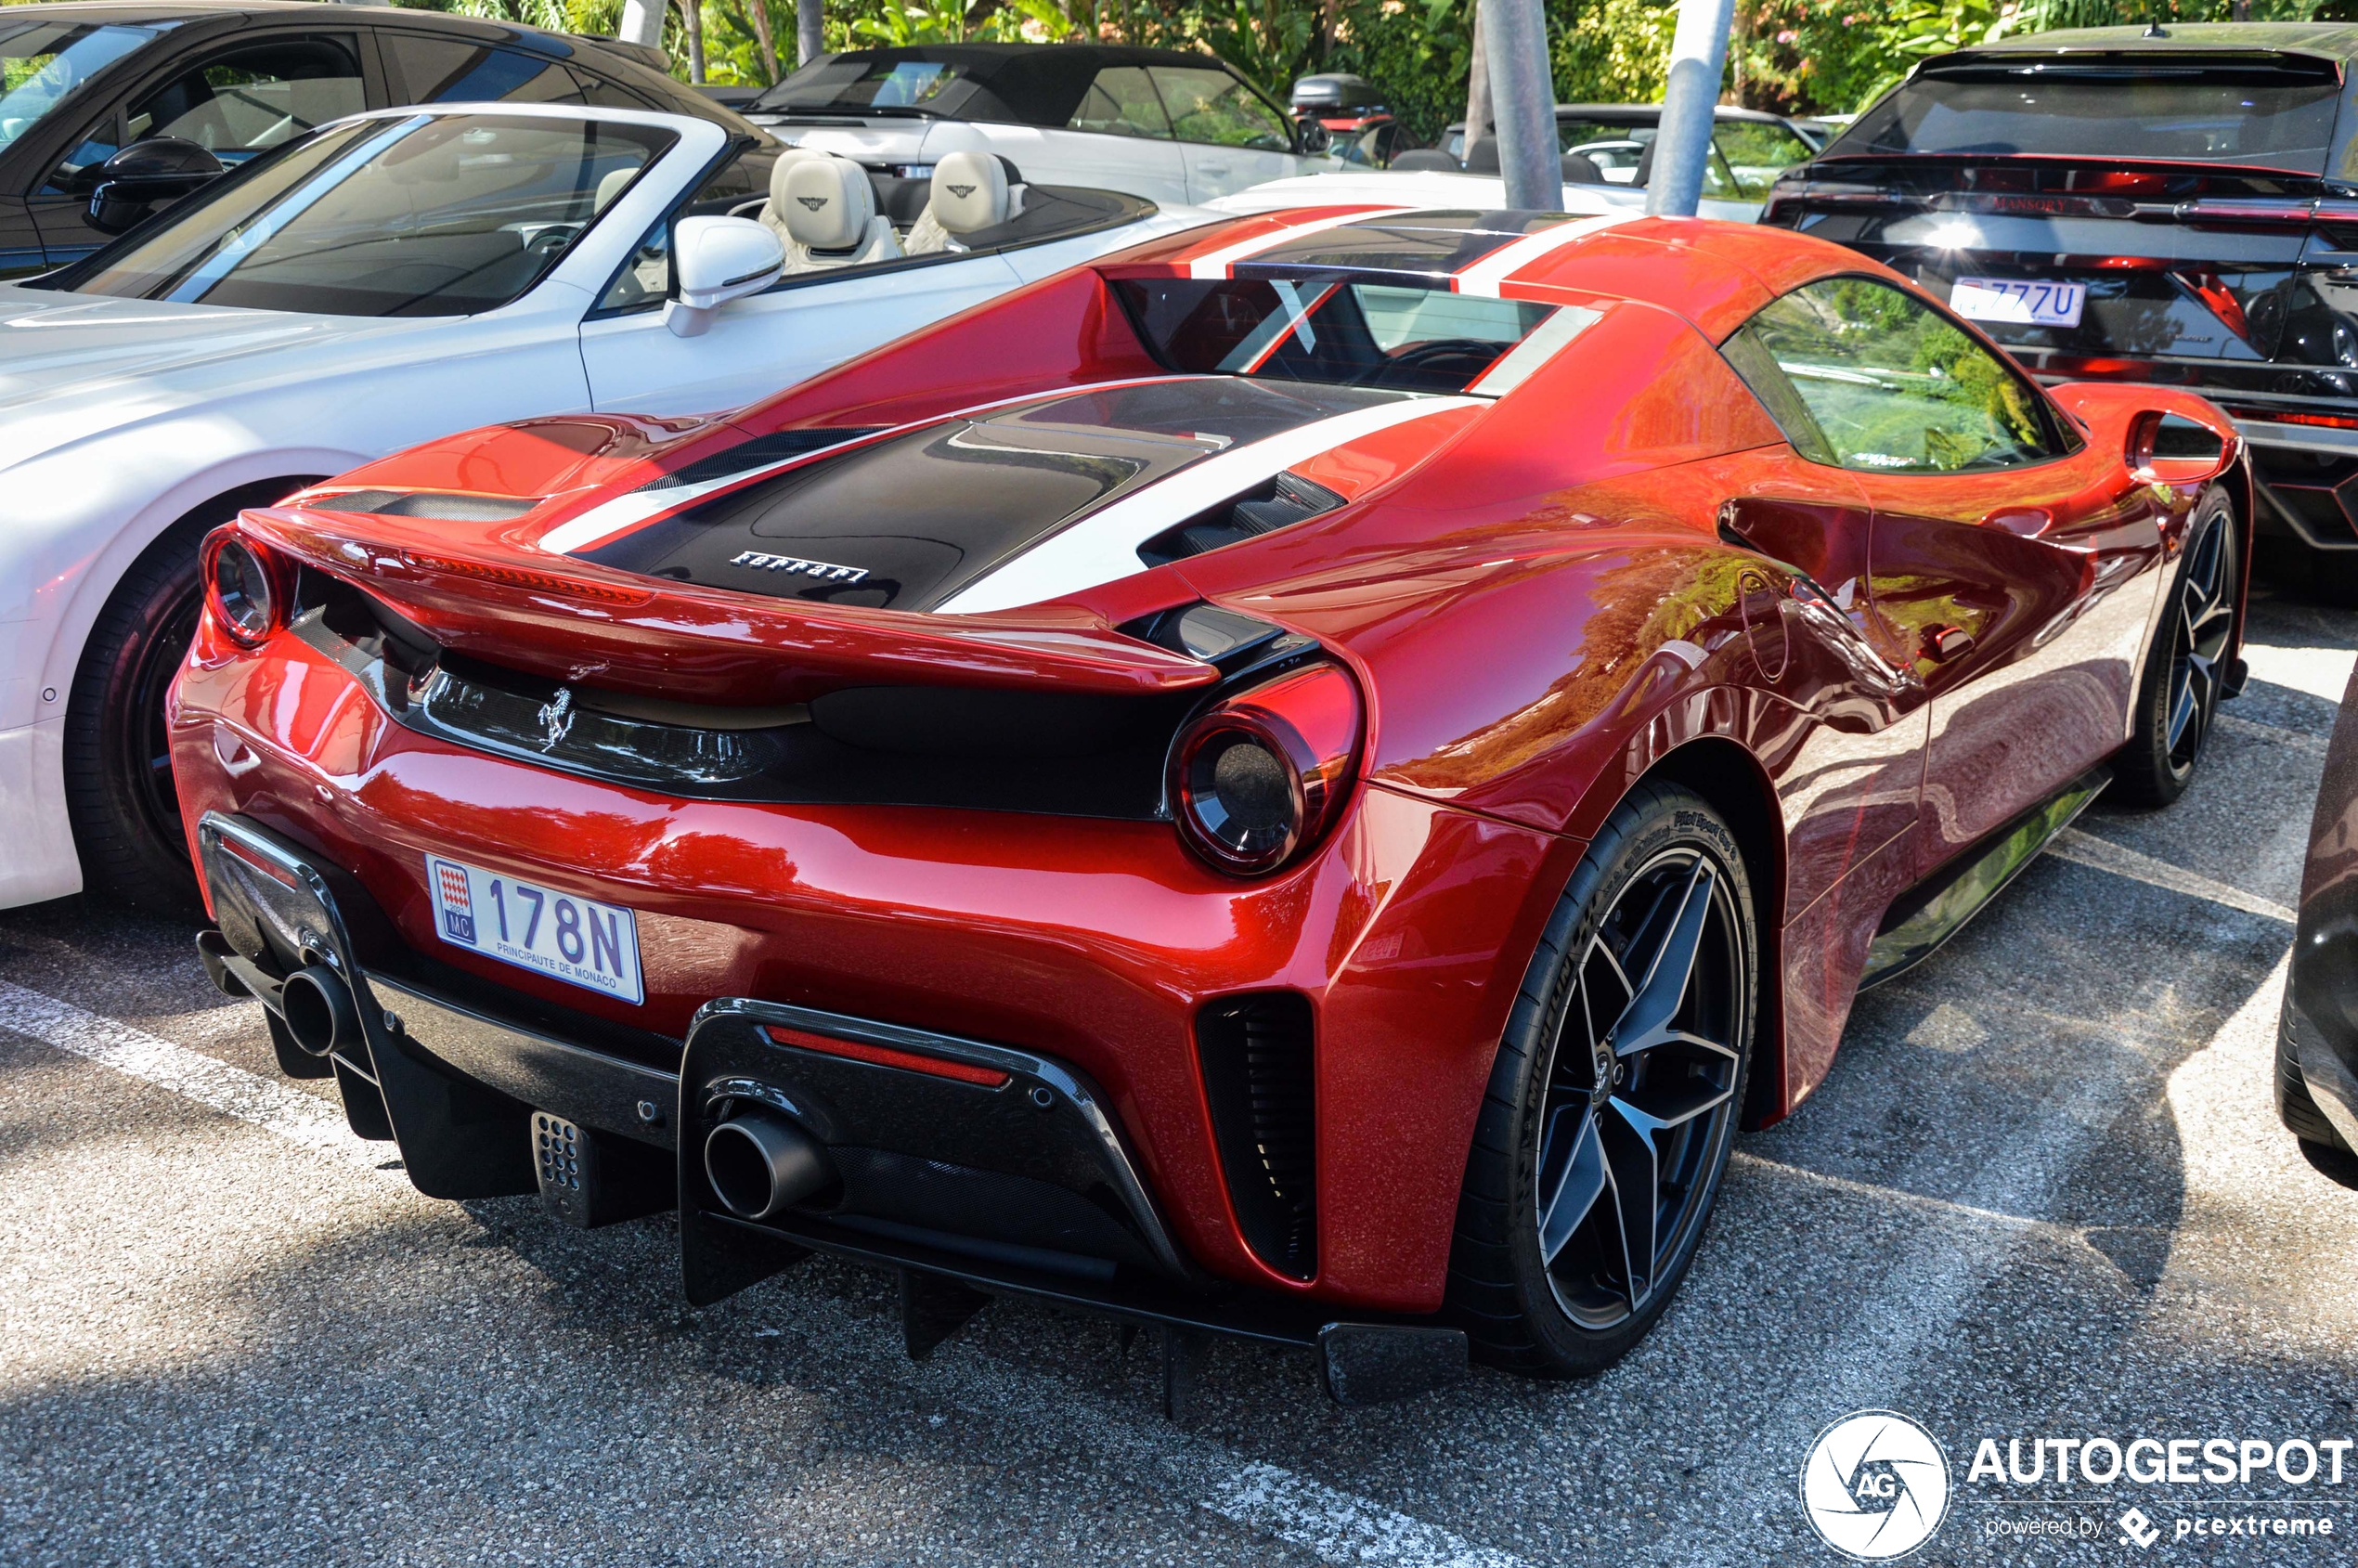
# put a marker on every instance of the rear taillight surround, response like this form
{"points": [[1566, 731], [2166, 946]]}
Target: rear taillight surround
{"points": [[1258, 778], [246, 586]]}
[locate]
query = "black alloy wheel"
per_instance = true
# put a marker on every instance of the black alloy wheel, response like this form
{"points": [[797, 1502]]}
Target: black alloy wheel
{"points": [[2178, 702], [120, 793], [1614, 1100]]}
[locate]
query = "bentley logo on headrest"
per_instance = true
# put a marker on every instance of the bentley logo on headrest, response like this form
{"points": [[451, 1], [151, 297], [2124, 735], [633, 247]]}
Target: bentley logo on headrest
{"points": [[962, 191], [814, 202]]}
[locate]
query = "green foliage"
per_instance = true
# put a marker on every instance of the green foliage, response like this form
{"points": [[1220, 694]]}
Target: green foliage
{"points": [[1798, 57]]}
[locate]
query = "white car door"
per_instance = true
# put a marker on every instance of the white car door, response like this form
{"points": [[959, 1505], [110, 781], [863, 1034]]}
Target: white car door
{"points": [[759, 346], [1229, 138]]}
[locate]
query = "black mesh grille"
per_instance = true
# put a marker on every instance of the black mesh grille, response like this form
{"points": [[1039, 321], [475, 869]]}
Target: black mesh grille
{"points": [[1260, 1076]]}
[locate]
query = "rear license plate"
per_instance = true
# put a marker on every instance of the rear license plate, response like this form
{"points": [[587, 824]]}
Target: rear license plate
{"points": [[577, 940], [2023, 302]]}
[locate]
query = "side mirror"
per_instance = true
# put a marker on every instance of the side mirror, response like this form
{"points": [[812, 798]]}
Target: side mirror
{"points": [[131, 184], [2172, 449], [714, 261], [1311, 137]]}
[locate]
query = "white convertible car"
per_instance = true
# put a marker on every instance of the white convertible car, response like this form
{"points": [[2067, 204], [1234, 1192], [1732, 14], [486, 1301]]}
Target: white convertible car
{"points": [[1169, 124], [388, 279]]}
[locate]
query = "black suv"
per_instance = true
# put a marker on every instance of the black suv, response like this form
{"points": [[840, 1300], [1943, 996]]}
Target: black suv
{"points": [[2177, 205], [150, 101]]}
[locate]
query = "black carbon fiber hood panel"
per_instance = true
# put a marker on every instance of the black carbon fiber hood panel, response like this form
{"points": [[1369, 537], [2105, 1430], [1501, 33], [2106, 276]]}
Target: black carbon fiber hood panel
{"points": [[906, 522]]}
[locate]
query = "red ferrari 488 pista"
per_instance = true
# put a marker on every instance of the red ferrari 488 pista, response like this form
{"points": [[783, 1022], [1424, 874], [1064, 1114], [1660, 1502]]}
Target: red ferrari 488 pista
{"points": [[1301, 780]]}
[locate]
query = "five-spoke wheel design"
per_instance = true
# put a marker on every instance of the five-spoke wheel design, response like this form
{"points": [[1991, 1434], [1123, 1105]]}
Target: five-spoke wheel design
{"points": [[1639, 1097], [2187, 668], [1614, 1094], [2205, 622]]}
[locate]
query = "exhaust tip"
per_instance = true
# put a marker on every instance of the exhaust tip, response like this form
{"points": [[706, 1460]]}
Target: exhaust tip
{"points": [[760, 1165], [317, 1008]]}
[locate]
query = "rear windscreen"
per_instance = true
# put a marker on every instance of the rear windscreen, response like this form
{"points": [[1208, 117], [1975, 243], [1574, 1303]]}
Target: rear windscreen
{"points": [[2273, 115], [1347, 334]]}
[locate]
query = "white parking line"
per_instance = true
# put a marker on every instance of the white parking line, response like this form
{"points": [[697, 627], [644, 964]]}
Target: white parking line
{"points": [[1338, 1526], [1879, 1193], [1920, 1292], [314, 1123], [2102, 854]]}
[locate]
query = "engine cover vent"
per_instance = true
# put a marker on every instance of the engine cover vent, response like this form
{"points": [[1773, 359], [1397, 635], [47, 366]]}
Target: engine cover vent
{"points": [[1283, 502]]}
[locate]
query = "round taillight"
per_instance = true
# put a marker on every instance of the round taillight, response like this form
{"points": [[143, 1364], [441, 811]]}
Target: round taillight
{"points": [[240, 588], [1258, 778]]}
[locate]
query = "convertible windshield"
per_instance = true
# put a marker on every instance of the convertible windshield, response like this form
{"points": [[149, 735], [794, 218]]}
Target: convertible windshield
{"points": [[857, 84], [429, 215], [1348, 334], [44, 63]]}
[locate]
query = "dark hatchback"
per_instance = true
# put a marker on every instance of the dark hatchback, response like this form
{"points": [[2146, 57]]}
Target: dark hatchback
{"points": [[2176, 205], [150, 101]]}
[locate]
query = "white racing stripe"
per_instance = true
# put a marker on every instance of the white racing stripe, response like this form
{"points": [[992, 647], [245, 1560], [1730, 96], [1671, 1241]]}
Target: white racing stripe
{"points": [[1103, 546], [1338, 1527], [314, 1123], [1481, 279], [1217, 264], [611, 519]]}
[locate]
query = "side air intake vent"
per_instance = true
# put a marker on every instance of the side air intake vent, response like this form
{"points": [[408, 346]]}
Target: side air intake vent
{"points": [[1287, 499], [1260, 1076]]}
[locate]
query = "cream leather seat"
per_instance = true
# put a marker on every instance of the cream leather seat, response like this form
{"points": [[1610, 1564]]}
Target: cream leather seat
{"points": [[972, 191], [770, 211], [831, 217]]}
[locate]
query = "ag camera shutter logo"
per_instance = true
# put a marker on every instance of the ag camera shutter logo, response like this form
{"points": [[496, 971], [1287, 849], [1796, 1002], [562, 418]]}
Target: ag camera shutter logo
{"points": [[1875, 1485]]}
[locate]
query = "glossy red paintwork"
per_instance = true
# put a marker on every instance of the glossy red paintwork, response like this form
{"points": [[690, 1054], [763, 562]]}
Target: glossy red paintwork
{"points": [[1619, 566]]}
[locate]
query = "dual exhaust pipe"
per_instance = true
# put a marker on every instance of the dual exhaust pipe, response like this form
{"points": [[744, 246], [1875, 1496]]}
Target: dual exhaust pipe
{"points": [[318, 1010], [761, 1165]]}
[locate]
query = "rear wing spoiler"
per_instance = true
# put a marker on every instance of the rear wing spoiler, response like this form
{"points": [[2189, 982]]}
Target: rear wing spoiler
{"points": [[570, 620]]}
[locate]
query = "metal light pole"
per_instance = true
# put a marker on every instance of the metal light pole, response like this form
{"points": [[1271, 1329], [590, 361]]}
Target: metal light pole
{"points": [[809, 37], [1698, 53], [1478, 116], [641, 22], [1523, 96]]}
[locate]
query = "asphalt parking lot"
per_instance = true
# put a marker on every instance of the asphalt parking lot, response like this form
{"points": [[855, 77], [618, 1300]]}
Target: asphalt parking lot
{"points": [[2044, 1194]]}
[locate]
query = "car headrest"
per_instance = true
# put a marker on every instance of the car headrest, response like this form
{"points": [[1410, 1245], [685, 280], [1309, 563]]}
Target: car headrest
{"points": [[615, 182], [828, 203], [1581, 169], [786, 160], [1429, 159], [970, 192], [1482, 157], [1645, 174]]}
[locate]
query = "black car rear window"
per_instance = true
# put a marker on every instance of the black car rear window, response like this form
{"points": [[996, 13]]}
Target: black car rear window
{"points": [[2271, 111]]}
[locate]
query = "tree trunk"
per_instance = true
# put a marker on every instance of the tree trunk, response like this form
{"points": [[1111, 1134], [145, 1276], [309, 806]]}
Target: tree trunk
{"points": [[1478, 115], [757, 12], [692, 16]]}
